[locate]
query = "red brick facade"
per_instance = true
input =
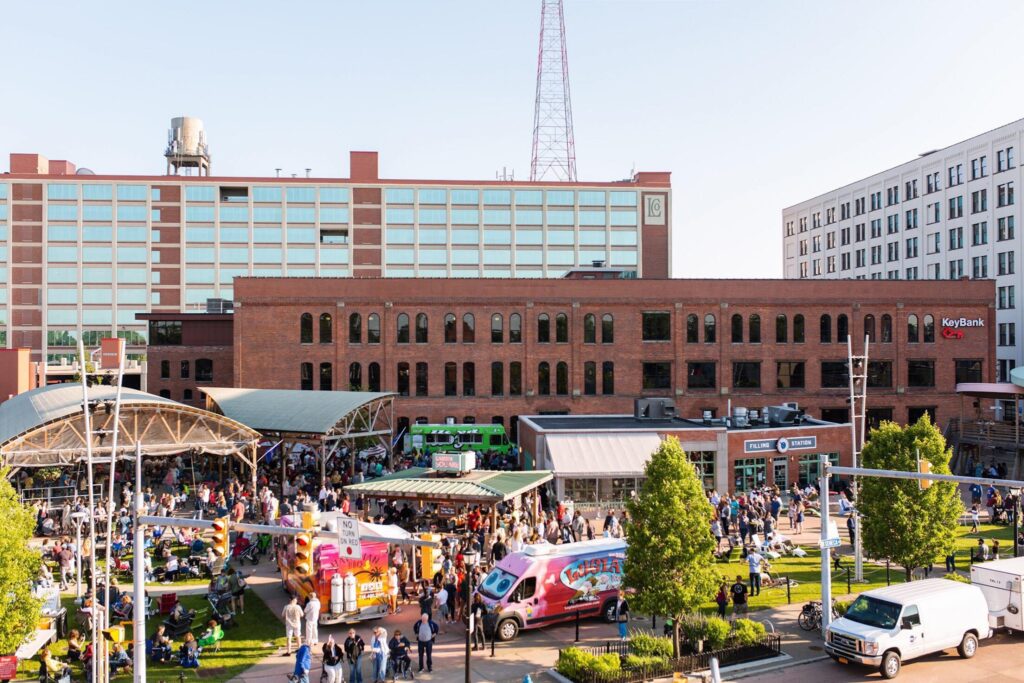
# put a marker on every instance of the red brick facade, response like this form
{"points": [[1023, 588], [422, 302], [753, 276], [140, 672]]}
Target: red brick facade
{"points": [[204, 337], [269, 354]]}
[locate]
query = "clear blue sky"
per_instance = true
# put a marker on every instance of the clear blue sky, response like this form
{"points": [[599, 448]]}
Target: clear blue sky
{"points": [[753, 106]]}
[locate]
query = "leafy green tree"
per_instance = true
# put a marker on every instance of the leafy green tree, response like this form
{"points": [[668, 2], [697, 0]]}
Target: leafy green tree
{"points": [[669, 560], [901, 521], [19, 566]]}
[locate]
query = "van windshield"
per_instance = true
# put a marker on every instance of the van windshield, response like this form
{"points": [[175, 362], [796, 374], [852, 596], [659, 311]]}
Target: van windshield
{"points": [[873, 612], [498, 583]]}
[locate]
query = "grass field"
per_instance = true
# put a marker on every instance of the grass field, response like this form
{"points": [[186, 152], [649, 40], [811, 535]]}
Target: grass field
{"points": [[258, 633]]}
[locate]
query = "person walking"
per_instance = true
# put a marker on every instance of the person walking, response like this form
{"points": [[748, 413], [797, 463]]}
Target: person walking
{"points": [[477, 613], [379, 647], [333, 656], [622, 614], [303, 662], [754, 561], [312, 614], [975, 519], [292, 617], [739, 597], [393, 590], [354, 647], [425, 630], [722, 599]]}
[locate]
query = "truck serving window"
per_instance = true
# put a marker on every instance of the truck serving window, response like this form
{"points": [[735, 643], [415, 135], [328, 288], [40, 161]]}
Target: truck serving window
{"points": [[873, 612], [498, 583]]}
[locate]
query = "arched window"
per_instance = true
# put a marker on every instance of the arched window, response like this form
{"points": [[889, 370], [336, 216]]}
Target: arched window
{"points": [[403, 379], [589, 329], [515, 378], [544, 379], [543, 329], [373, 377], [590, 378], [326, 328], [165, 393], [709, 329], [912, 336], [692, 329], [306, 372], [737, 328], [497, 378], [562, 378], [355, 377], [306, 329], [886, 329], [515, 329], [562, 328], [842, 328], [451, 379], [607, 329], [421, 328], [204, 370], [781, 329], [468, 328], [798, 328], [355, 328], [373, 329], [607, 378], [469, 379], [497, 329], [825, 331], [869, 327], [402, 329], [326, 377], [450, 331], [929, 329], [754, 329]]}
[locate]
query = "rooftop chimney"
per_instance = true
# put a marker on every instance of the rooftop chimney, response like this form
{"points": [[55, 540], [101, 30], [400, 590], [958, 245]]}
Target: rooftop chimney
{"points": [[362, 166]]}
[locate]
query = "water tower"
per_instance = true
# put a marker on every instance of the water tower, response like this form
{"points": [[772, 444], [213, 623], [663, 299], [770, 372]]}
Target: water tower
{"points": [[186, 146]]}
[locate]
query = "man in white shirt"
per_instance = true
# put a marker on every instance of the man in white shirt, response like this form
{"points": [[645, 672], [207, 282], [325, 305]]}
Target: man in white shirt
{"points": [[312, 614], [292, 616], [754, 561]]}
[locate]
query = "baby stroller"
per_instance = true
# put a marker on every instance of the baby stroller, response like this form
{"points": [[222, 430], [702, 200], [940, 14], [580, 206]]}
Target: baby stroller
{"points": [[245, 550], [220, 609]]}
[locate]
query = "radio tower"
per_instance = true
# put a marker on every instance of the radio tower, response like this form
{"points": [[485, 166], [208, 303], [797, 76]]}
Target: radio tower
{"points": [[554, 150]]}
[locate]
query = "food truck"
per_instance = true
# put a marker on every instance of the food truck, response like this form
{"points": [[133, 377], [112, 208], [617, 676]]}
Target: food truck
{"points": [[544, 584], [351, 587]]}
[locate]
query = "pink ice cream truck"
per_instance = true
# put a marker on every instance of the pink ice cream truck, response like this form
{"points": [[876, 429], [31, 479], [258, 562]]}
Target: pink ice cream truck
{"points": [[544, 584]]}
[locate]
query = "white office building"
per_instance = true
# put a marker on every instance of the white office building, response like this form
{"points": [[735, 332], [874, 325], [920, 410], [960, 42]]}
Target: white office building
{"points": [[950, 213]]}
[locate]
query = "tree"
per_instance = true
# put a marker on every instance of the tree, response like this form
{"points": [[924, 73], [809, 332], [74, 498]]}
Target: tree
{"points": [[19, 566], [669, 559], [900, 521]]}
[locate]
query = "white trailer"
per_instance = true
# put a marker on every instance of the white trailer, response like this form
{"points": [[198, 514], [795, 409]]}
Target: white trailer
{"points": [[1000, 581]]}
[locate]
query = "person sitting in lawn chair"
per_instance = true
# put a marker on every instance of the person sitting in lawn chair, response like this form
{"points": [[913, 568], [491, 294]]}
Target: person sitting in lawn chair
{"points": [[188, 653], [212, 635], [51, 669], [159, 646]]}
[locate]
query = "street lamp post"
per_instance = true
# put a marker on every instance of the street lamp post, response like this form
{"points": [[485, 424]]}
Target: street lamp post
{"points": [[471, 558]]}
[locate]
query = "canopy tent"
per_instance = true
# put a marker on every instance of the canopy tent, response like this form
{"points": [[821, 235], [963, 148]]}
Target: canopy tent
{"points": [[324, 418], [428, 485], [603, 454], [45, 427]]}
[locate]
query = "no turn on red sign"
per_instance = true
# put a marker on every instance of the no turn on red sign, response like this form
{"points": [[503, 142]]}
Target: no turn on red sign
{"points": [[349, 546]]}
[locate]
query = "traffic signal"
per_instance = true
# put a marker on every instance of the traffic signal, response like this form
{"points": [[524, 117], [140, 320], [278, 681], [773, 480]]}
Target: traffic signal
{"points": [[924, 467], [303, 554], [220, 542]]}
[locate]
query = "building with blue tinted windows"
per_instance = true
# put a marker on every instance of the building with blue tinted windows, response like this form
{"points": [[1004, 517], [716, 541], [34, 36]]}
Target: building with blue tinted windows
{"points": [[82, 254]]}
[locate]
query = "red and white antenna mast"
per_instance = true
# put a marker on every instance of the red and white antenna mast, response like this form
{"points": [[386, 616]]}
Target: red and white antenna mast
{"points": [[554, 150]]}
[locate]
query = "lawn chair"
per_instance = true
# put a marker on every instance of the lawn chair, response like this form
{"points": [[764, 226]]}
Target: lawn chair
{"points": [[213, 639]]}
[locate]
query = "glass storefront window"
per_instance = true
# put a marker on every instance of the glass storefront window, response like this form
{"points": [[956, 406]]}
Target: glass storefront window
{"points": [[749, 473], [581, 490], [704, 461], [810, 468]]}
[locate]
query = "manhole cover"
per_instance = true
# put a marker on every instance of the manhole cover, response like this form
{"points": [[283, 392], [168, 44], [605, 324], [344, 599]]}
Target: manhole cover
{"points": [[814, 648]]}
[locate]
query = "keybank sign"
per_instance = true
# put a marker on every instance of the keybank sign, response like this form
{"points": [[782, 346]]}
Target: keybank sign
{"points": [[953, 328]]}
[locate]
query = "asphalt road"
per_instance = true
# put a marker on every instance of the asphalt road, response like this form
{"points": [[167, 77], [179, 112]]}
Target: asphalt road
{"points": [[1000, 658]]}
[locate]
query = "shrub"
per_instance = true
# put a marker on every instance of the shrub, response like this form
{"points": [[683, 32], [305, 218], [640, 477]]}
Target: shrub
{"points": [[606, 664], [842, 606], [645, 645], [747, 632], [644, 662], [717, 633], [693, 628], [953, 576], [575, 663]]}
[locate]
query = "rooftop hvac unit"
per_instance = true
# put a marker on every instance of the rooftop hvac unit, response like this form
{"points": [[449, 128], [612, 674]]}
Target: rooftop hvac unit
{"points": [[654, 409], [740, 417], [793, 405], [754, 416], [783, 415]]}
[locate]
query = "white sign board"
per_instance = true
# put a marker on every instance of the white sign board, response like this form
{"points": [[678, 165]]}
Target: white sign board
{"points": [[830, 543], [349, 546]]}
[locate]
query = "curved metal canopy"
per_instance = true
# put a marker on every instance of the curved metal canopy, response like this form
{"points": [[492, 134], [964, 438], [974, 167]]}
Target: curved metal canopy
{"points": [[45, 426]]}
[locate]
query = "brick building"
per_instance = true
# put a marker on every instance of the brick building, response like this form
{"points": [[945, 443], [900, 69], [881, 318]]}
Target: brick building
{"points": [[187, 352], [487, 349]]}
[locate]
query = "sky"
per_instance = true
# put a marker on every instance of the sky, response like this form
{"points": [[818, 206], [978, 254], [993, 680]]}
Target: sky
{"points": [[753, 106]]}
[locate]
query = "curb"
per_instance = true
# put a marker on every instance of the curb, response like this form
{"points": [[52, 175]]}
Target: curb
{"points": [[778, 667], [756, 668]]}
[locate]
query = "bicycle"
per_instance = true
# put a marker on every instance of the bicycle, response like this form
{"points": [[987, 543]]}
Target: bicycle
{"points": [[810, 615]]}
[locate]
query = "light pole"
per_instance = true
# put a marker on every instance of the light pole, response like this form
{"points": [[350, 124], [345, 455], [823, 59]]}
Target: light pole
{"points": [[471, 558], [139, 573]]}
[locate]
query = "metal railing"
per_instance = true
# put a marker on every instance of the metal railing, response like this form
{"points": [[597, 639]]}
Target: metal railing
{"points": [[56, 495]]}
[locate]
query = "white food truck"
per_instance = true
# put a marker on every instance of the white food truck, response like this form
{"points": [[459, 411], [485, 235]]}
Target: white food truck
{"points": [[1000, 581]]}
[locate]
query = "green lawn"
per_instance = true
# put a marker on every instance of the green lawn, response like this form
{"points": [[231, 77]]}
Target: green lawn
{"points": [[258, 633]]}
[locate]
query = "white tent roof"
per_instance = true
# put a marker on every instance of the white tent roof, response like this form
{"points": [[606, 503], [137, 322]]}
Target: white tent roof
{"points": [[608, 454]]}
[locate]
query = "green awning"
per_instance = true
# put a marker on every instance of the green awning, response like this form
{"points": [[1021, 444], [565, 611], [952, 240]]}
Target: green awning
{"points": [[421, 483]]}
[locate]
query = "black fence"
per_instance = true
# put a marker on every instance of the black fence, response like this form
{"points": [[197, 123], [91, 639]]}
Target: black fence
{"points": [[770, 646]]}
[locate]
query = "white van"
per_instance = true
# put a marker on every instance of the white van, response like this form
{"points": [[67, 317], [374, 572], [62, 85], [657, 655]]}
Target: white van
{"points": [[887, 626], [1000, 582]]}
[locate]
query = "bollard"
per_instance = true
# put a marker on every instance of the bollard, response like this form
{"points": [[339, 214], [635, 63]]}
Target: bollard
{"points": [[654, 624], [577, 626], [848, 588], [716, 676], [789, 598], [887, 581]]}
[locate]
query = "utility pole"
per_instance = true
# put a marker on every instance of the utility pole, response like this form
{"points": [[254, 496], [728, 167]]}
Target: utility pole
{"points": [[139, 574], [554, 147], [858, 373], [98, 664], [826, 570]]}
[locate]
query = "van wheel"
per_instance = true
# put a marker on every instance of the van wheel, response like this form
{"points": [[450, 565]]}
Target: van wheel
{"points": [[608, 612], [508, 629], [968, 646], [890, 665]]}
